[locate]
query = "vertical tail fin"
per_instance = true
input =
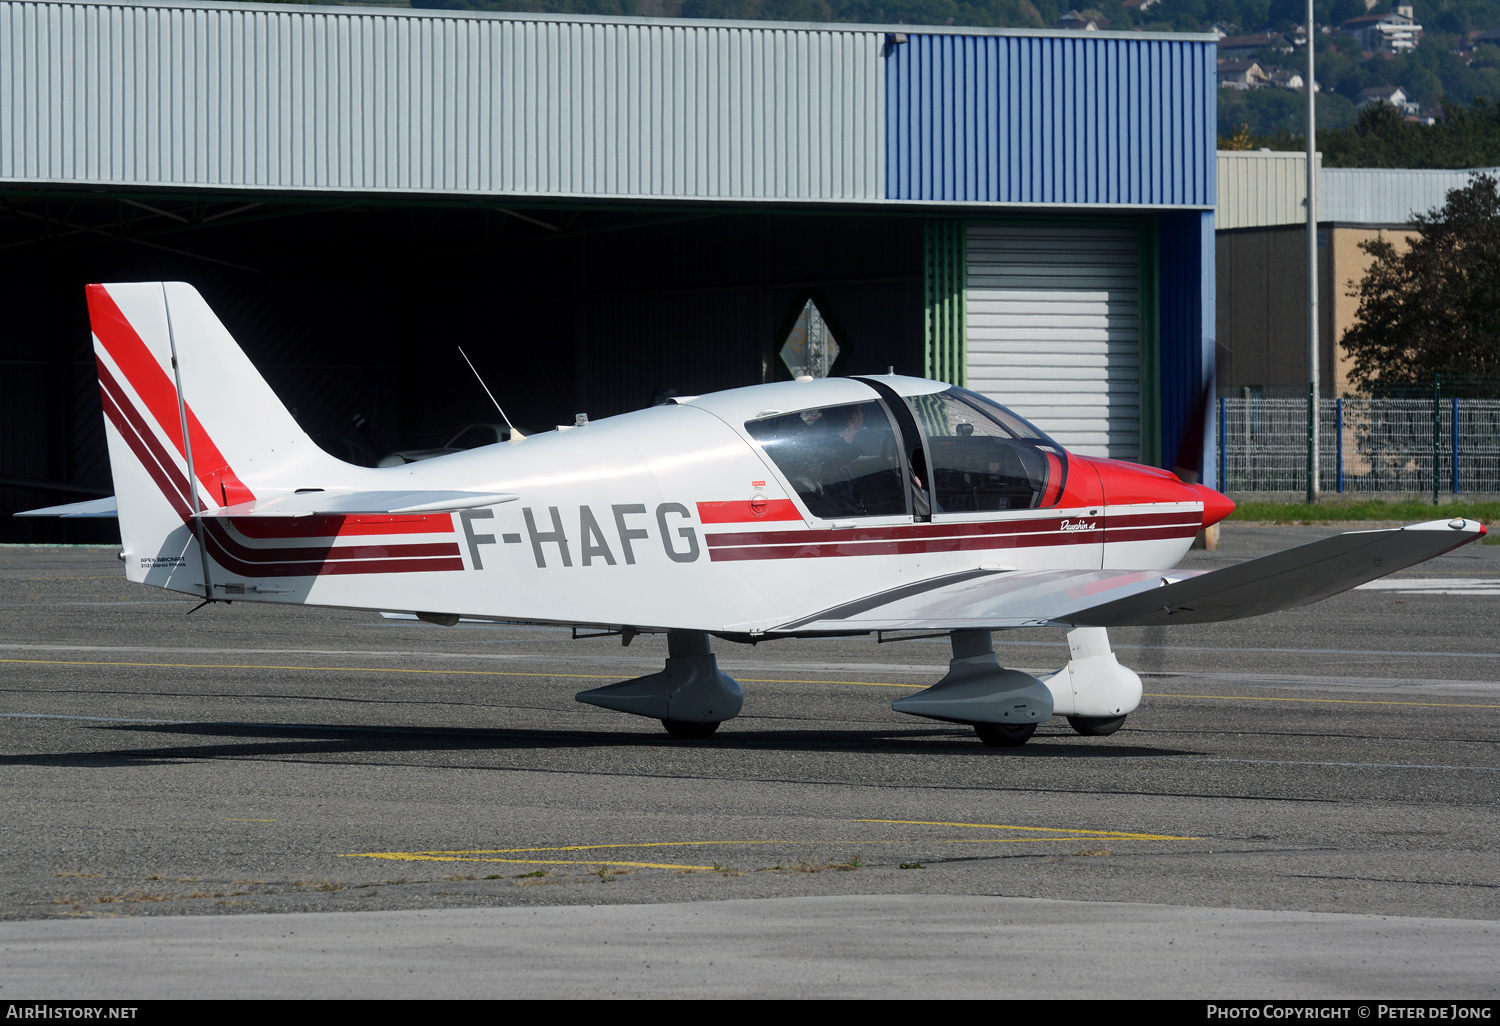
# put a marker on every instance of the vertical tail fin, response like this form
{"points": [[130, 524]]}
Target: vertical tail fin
{"points": [[225, 422]]}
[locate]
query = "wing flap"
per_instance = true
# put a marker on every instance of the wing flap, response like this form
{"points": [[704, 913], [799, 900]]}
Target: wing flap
{"points": [[1118, 598]]}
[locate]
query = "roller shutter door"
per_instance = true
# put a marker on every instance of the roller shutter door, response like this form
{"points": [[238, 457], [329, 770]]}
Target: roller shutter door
{"points": [[1054, 331]]}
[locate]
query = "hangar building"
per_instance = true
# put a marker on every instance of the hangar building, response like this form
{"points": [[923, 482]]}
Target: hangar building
{"points": [[600, 211]]}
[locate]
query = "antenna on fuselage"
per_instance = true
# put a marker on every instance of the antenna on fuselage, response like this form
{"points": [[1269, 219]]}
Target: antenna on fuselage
{"points": [[515, 435]]}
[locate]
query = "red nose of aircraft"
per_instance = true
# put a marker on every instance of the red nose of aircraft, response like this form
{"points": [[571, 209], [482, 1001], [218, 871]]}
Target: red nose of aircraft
{"points": [[1131, 483], [1216, 506]]}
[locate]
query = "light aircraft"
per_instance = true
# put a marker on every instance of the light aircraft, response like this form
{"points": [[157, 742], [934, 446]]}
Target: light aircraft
{"points": [[812, 508]]}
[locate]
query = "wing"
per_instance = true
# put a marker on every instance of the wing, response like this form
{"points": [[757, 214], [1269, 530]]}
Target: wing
{"points": [[343, 502], [308, 504], [995, 599]]}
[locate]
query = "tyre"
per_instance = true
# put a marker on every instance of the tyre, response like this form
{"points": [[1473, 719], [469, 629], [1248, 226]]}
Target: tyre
{"points": [[1004, 735], [689, 731], [1095, 726]]}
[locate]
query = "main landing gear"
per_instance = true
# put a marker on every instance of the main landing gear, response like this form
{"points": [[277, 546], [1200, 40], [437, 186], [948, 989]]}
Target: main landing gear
{"points": [[1093, 690], [690, 696]]}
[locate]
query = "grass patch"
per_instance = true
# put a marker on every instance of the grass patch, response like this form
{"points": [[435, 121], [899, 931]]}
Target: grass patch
{"points": [[1411, 510], [912, 865]]}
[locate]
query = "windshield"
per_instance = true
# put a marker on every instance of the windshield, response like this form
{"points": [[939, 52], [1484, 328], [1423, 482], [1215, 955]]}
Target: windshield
{"points": [[842, 461], [984, 457]]}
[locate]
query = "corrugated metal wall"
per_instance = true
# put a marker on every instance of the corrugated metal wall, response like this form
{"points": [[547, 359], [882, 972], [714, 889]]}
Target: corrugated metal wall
{"points": [[278, 98], [1054, 315], [1061, 119], [1387, 195], [1264, 188], [1259, 189]]}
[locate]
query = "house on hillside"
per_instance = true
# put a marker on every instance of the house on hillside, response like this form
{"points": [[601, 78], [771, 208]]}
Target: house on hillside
{"points": [[1396, 31], [1394, 95], [1246, 46], [1075, 22], [1282, 78], [1242, 75]]}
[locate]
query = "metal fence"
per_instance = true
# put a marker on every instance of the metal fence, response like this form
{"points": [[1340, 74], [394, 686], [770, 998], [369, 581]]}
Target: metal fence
{"points": [[1365, 445]]}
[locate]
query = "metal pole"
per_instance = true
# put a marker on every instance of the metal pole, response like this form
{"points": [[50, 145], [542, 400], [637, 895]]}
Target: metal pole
{"points": [[1437, 435], [187, 447], [1312, 270]]}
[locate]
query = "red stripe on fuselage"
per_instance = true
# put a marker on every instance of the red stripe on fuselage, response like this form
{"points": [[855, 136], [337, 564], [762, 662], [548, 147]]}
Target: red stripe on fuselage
{"points": [[745, 512], [159, 393]]}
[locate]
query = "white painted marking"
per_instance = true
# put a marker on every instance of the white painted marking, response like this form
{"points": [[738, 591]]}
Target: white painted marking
{"points": [[1435, 585]]}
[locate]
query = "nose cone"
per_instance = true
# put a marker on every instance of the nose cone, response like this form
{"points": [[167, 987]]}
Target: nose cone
{"points": [[1215, 506]]}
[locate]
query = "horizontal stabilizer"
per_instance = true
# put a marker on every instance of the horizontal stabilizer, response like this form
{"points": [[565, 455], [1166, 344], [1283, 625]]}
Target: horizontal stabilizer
{"points": [[102, 509], [309, 503], [993, 600]]}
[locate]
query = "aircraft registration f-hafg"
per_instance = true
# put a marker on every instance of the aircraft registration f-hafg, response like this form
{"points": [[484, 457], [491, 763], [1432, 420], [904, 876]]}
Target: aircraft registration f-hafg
{"points": [[831, 507]]}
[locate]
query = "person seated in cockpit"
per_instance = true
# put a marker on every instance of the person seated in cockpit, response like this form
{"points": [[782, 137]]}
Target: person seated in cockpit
{"points": [[841, 427]]}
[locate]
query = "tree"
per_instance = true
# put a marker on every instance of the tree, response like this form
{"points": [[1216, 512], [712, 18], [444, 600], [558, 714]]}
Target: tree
{"points": [[1435, 308]]}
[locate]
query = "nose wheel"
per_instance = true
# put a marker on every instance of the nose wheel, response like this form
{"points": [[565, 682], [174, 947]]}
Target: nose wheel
{"points": [[1005, 735], [1095, 726]]}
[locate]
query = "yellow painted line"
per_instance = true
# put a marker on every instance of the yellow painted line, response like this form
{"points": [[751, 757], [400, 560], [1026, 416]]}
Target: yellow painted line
{"points": [[644, 844], [394, 669], [1328, 701], [1072, 833], [404, 856]]}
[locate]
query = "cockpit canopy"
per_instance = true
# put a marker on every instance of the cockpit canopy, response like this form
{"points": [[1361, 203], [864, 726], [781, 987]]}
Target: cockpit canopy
{"points": [[952, 451]]}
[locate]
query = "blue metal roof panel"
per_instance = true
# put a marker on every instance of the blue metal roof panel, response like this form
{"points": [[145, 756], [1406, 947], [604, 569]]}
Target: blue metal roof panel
{"points": [[1031, 119]]}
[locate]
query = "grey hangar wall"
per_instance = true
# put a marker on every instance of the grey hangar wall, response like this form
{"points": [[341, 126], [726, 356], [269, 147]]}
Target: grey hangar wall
{"points": [[598, 210]]}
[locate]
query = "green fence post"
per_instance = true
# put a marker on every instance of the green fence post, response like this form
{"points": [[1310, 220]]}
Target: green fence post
{"points": [[1312, 411], [1437, 435]]}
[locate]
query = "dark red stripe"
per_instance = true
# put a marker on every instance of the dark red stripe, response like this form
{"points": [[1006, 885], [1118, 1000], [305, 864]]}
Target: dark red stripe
{"points": [[1147, 519], [910, 546], [127, 432], [1151, 534], [1045, 525], [322, 553], [905, 531], [227, 553]]}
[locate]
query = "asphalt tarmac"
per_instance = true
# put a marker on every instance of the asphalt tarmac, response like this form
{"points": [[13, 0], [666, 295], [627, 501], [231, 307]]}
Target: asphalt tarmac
{"points": [[249, 761]]}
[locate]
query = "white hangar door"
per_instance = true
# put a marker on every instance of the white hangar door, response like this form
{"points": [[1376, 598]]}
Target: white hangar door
{"points": [[1054, 331]]}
